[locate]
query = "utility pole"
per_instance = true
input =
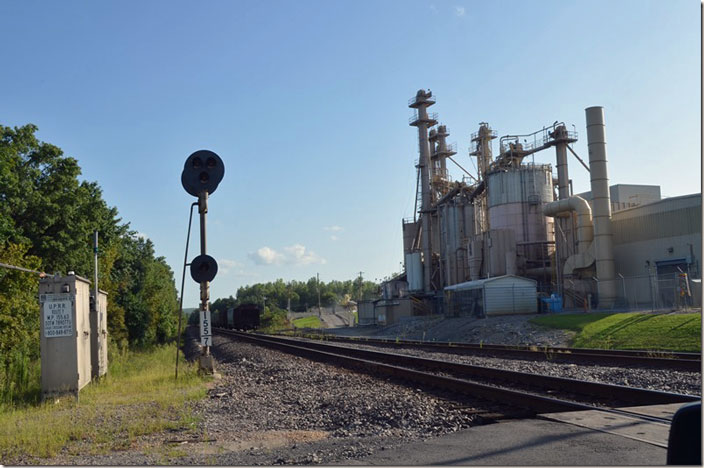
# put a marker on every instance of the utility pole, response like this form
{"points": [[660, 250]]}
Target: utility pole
{"points": [[360, 286], [317, 281]]}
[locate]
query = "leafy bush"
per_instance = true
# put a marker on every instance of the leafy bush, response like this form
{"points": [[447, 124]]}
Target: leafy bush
{"points": [[273, 319]]}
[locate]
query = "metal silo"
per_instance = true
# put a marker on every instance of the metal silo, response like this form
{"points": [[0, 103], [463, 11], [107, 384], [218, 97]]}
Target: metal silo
{"points": [[515, 201]]}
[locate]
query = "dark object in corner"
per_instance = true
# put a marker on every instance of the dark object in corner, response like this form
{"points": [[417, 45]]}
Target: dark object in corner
{"points": [[685, 443]]}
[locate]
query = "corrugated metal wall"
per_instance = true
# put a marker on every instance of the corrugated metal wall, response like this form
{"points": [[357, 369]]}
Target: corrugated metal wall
{"points": [[365, 313], [527, 184], [678, 222], [495, 296], [508, 296]]}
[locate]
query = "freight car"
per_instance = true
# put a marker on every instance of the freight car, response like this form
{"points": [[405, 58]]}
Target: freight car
{"points": [[243, 317], [219, 318]]}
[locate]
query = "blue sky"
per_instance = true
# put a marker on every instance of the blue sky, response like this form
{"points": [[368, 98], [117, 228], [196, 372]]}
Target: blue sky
{"points": [[306, 103]]}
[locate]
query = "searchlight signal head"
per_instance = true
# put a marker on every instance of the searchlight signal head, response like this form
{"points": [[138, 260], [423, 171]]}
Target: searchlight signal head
{"points": [[202, 172]]}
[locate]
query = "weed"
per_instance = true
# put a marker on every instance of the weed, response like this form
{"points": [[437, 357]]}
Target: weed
{"points": [[549, 353], [138, 396]]}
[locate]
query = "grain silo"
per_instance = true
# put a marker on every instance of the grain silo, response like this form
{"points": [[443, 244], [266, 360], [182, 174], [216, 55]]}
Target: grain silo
{"points": [[516, 197]]}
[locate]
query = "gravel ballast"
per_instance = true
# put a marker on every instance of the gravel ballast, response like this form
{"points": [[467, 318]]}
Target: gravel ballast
{"points": [[272, 408], [665, 380], [295, 411]]}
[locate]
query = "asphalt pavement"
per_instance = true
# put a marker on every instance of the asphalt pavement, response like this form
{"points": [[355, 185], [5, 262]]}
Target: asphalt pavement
{"points": [[523, 442]]}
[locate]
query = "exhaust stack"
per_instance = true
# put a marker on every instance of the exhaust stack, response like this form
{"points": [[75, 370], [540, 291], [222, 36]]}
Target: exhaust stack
{"points": [[601, 202]]}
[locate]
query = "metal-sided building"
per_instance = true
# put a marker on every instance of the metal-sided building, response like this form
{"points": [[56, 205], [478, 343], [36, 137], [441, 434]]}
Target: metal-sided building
{"points": [[654, 245], [498, 295]]}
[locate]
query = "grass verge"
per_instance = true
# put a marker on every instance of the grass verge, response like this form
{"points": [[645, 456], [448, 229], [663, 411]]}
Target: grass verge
{"points": [[138, 396], [307, 322], [670, 332]]}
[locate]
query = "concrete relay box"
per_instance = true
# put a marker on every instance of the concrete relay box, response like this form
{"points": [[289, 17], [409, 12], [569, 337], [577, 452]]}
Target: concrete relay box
{"points": [[99, 336], [64, 334]]}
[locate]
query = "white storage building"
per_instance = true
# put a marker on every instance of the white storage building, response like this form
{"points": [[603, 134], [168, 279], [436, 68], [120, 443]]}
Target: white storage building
{"points": [[499, 295]]}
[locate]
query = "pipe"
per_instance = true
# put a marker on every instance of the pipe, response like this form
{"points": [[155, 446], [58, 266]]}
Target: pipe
{"points": [[578, 158], [183, 279], [448, 195], [26, 270], [585, 231], [539, 271], [603, 239], [562, 174]]}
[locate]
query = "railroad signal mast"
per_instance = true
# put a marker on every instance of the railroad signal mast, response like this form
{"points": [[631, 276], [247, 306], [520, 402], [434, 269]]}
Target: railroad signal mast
{"points": [[201, 175]]}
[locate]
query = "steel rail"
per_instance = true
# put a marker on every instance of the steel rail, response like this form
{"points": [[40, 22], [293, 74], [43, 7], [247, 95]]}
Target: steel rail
{"points": [[592, 389], [535, 403], [671, 360], [391, 364]]}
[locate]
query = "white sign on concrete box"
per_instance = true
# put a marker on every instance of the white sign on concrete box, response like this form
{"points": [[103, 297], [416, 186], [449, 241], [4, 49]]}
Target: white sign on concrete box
{"points": [[57, 315]]}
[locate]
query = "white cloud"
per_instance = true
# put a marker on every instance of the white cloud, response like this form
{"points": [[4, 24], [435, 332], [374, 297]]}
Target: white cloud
{"points": [[140, 235], [266, 256], [334, 228], [459, 11], [245, 274], [334, 238], [225, 265], [296, 254]]}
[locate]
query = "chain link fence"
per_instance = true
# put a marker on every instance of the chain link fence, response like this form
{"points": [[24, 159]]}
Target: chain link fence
{"points": [[651, 292]]}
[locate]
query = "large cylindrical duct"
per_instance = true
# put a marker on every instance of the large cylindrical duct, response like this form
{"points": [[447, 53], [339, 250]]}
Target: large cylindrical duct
{"points": [[585, 232], [601, 203]]}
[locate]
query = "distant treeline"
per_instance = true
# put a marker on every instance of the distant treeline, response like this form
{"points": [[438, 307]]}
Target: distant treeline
{"points": [[303, 295], [275, 296], [47, 219]]}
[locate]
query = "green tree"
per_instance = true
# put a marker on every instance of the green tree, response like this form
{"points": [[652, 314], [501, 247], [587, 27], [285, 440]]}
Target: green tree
{"points": [[44, 207], [19, 319]]}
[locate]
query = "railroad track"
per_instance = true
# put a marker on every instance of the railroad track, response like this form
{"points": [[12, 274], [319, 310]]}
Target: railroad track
{"points": [[617, 358], [532, 392]]}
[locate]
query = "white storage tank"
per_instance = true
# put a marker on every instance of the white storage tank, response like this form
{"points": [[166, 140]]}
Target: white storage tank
{"points": [[410, 231], [414, 271], [64, 337], [456, 220], [515, 201]]}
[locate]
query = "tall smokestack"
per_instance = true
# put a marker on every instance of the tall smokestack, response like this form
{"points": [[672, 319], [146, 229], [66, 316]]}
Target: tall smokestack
{"points": [[601, 202]]}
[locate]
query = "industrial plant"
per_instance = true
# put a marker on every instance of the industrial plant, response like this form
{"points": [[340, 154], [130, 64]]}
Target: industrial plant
{"points": [[513, 238]]}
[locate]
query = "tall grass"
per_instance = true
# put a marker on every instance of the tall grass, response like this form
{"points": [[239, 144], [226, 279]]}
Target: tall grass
{"points": [[20, 379], [139, 395]]}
